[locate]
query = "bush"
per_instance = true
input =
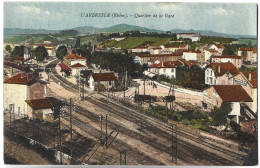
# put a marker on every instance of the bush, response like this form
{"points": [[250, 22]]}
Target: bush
{"points": [[185, 121]]}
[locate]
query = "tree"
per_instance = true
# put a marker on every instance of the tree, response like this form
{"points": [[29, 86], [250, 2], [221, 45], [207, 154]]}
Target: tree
{"points": [[61, 52], [40, 53], [18, 51], [219, 115], [244, 55], [8, 48]]}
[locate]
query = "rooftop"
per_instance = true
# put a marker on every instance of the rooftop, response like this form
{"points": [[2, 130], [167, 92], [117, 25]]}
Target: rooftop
{"points": [[253, 80], [161, 55], [21, 78], [162, 65], [78, 65], [37, 104], [222, 68], [227, 56], [64, 67], [103, 77], [74, 56], [232, 93]]}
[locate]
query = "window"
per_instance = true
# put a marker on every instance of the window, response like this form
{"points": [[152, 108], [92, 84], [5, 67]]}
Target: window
{"points": [[207, 71], [109, 82], [210, 80], [19, 111], [172, 69], [207, 79], [164, 70], [211, 73]]}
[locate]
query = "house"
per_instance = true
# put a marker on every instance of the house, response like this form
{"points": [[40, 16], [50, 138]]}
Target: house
{"points": [[248, 80], [208, 53], [195, 38], [175, 48], [235, 60], [220, 74], [72, 59], [19, 88], [140, 49], [64, 69], [77, 68], [235, 94], [27, 54], [145, 58], [40, 109], [155, 50], [163, 68], [102, 81], [191, 54], [192, 36], [249, 54], [219, 48]]}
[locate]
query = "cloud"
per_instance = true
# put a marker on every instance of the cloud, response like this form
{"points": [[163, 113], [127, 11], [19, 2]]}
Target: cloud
{"points": [[220, 11], [32, 10]]}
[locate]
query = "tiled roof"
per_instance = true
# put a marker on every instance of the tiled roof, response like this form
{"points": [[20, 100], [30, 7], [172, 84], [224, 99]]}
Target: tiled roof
{"points": [[189, 51], [212, 50], [103, 77], [185, 62], [224, 68], [245, 49], [74, 56], [64, 67], [78, 65], [253, 80], [176, 63], [232, 93], [18, 58], [219, 46], [186, 33], [37, 104], [227, 56], [162, 65], [161, 55], [21, 78]]}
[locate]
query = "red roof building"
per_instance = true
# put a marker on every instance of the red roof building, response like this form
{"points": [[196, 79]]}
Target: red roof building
{"points": [[74, 56], [21, 78], [37, 104], [103, 77], [251, 77], [78, 65], [232, 93], [222, 68], [64, 67]]}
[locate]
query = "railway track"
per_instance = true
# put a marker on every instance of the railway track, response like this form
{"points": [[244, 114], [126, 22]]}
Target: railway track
{"points": [[191, 148]]}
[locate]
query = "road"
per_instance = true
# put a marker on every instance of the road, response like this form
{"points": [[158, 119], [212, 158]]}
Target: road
{"points": [[146, 140]]}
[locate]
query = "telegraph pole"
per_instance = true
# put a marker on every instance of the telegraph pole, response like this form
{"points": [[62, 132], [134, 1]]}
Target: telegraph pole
{"points": [[60, 137], [122, 158], [79, 86], [174, 143], [144, 86], [124, 84], [70, 130], [101, 129], [106, 130], [10, 117]]}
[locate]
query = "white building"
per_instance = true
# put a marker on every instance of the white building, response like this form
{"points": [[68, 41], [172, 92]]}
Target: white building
{"points": [[163, 68], [219, 48], [102, 81], [220, 74], [191, 55]]}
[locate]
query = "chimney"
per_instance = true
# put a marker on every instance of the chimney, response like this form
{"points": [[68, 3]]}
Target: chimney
{"points": [[249, 76], [218, 68]]}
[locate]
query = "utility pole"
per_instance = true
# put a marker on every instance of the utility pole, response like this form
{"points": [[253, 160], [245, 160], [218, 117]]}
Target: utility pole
{"points": [[106, 130], [122, 157], [101, 129], [70, 130], [79, 86], [144, 86], [124, 85], [174, 143], [60, 136], [10, 107]]}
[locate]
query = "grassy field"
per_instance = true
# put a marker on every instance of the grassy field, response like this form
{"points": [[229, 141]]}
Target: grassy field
{"points": [[133, 42]]}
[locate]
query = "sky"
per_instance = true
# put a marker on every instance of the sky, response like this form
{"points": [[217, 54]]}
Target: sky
{"points": [[231, 18]]}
